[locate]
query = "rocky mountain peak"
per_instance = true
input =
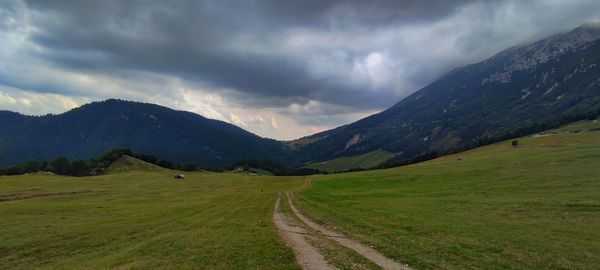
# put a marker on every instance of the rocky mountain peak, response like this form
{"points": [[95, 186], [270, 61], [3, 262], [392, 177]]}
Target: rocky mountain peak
{"points": [[529, 56]]}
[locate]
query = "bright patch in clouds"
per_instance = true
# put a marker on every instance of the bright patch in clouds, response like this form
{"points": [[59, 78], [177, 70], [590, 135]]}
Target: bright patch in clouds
{"points": [[33, 103]]}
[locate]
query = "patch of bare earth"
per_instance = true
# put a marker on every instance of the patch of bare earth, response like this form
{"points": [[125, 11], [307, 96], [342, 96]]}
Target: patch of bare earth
{"points": [[369, 253], [307, 256], [354, 140]]}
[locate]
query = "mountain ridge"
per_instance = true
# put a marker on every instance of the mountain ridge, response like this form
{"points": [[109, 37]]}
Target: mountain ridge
{"points": [[446, 113], [518, 87]]}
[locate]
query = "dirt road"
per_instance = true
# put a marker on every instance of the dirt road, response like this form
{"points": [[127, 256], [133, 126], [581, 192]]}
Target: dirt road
{"points": [[294, 236], [365, 251]]}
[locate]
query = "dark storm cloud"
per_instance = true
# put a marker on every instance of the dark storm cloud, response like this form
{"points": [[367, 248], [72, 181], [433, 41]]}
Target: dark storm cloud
{"points": [[204, 41], [279, 68]]}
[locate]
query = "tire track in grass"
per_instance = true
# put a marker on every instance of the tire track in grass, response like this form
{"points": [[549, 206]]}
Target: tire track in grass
{"points": [[371, 254], [307, 256]]}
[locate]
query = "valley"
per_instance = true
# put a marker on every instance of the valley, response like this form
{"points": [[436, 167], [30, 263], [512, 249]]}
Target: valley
{"points": [[312, 135], [519, 91], [495, 207]]}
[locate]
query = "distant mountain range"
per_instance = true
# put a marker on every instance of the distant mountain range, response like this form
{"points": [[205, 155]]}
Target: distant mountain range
{"points": [[519, 87]]}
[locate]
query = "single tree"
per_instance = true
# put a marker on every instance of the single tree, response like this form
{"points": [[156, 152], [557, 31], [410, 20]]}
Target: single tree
{"points": [[31, 166], [44, 166], [80, 168], [61, 166], [113, 155], [148, 158], [188, 166], [166, 164], [515, 143]]}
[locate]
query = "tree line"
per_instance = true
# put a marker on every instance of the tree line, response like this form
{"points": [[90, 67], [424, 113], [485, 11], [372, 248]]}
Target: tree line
{"points": [[97, 165], [93, 166]]}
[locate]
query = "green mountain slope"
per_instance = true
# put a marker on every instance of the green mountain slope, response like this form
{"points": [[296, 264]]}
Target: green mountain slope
{"points": [[538, 84], [364, 161]]}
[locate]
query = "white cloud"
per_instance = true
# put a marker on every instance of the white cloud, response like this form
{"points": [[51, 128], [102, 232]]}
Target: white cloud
{"points": [[33, 103]]}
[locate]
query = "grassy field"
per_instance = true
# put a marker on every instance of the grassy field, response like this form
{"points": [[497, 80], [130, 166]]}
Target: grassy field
{"points": [[140, 219], [365, 161], [536, 206]]}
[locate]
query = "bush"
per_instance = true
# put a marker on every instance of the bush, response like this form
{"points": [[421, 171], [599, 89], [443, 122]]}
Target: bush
{"points": [[31, 166], [515, 143], [148, 158], [166, 164], [61, 166], [80, 168], [188, 166], [108, 158]]}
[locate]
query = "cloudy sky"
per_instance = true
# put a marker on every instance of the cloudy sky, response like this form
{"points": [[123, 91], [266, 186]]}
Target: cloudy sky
{"points": [[281, 69]]}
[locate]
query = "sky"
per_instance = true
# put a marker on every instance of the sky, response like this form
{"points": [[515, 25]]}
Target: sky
{"points": [[280, 69]]}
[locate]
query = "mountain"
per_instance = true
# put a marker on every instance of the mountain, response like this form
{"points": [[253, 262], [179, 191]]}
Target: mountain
{"points": [[542, 83], [94, 128], [539, 83]]}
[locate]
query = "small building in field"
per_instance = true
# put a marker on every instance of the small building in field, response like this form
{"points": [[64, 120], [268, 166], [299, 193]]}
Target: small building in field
{"points": [[179, 176]]}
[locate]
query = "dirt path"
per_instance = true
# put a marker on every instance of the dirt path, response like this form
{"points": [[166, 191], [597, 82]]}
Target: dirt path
{"points": [[367, 252], [307, 182], [307, 256]]}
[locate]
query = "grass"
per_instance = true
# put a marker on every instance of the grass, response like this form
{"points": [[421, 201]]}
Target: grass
{"points": [[536, 206], [574, 127], [142, 218], [127, 163], [336, 255], [365, 161]]}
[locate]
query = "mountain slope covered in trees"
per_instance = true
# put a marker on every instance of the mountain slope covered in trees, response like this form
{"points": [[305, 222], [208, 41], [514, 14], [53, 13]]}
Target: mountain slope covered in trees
{"points": [[523, 88], [97, 127]]}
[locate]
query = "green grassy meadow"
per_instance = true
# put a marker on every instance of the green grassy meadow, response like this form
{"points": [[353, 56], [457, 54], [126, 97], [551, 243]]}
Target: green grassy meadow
{"points": [[140, 219], [536, 206], [364, 161]]}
